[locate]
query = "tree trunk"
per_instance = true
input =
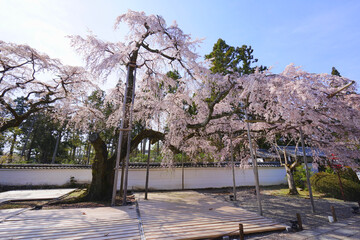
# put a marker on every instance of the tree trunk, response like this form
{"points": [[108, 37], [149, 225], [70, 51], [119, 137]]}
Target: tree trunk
{"points": [[73, 154], [103, 167], [31, 147], [144, 146], [88, 154], [290, 180], [158, 148], [12, 148], [56, 147], [102, 171], [141, 148]]}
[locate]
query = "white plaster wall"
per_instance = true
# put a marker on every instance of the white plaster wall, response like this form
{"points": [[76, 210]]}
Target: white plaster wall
{"points": [[159, 178], [43, 176], [196, 178]]}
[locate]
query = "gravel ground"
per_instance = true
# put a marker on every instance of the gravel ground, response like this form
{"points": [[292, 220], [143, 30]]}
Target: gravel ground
{"points": [[284, 208]]}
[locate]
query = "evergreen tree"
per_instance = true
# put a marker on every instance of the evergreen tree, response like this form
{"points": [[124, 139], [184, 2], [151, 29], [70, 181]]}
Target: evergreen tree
{"points": [[335, 72], [228, 59]]}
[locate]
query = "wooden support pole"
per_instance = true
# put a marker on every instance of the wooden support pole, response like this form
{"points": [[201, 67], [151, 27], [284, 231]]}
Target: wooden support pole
{"points": [[298, 216], [241, 231], [256, 173], [147, 171], [182, 172], [333, 213], [129, 142], [344, 87], [307, 171], [118, 151], [232, 166]]}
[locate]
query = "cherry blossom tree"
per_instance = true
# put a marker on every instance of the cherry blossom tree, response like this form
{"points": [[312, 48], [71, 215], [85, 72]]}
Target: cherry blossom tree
{"points": [[205, 106], [42, 83], [150, 50], [280, 104]]}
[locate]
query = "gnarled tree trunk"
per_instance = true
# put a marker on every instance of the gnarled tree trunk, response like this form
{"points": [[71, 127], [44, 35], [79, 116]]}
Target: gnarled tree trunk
{"points": [[290, 180], [102, 171], [103, 167]]}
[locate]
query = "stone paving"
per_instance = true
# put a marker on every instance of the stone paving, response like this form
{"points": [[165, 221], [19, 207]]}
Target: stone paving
{"points": [[348, 229], [33, 194], [284, 208]]}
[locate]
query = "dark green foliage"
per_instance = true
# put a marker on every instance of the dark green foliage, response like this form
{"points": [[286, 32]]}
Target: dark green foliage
{"points": [[345, 172], [176, 76], [329, 184], [192, 109], [335, 72], [263, 143], [97, 100], [349, 174], [228, 59], [300, 177], [42, 140], [21, 106]]}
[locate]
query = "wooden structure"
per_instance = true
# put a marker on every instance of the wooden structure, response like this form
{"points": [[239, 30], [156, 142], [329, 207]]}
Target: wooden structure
{"points": [[169, 215]]}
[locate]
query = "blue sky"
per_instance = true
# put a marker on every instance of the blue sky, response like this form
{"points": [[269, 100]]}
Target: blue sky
{"points": [[316, 35]]}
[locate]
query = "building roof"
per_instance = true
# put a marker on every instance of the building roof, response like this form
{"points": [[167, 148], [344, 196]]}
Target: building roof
{"points": [[263, 153], [309, 152], [131, 165]]}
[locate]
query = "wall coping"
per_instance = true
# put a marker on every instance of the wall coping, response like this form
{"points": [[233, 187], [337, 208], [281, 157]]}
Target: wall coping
{"points": [[133, 165]]}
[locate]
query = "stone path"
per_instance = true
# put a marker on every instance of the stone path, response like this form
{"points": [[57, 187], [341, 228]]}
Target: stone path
{"points": [[33, 194], [284, 208], [347, 229], [78, 223], [167, 215], [122, 222], [191, 215]]}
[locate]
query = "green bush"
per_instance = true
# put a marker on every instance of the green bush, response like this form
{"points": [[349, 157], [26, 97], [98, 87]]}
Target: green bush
{"points": [[345, 172], [349, 174], [300, 176], [329, 184]]}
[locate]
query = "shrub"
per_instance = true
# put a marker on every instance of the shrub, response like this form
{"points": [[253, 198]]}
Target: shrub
{"points": [[300, 176], [345, 172], [349, 174], [329, 184]]}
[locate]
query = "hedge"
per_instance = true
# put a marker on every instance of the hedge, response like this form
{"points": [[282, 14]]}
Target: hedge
{"points": [[329, 184]]}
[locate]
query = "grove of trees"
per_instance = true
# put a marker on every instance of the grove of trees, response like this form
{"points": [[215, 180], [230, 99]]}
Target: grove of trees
{"points": [[193, 106]]}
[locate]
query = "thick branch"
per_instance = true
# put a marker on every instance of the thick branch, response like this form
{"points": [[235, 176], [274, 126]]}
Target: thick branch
{"points": [[211, 106]]}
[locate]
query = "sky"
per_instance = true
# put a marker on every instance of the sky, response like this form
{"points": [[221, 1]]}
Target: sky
{"points": [[314, 34]]}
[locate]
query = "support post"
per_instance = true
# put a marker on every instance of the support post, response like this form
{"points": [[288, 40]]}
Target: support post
{"points": [[129, 142], [147, 171], [233, 166], [241, 231], [256, 173], [182, 172], [298, 216], [333, 213], [307, 171], [118, 151]]}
